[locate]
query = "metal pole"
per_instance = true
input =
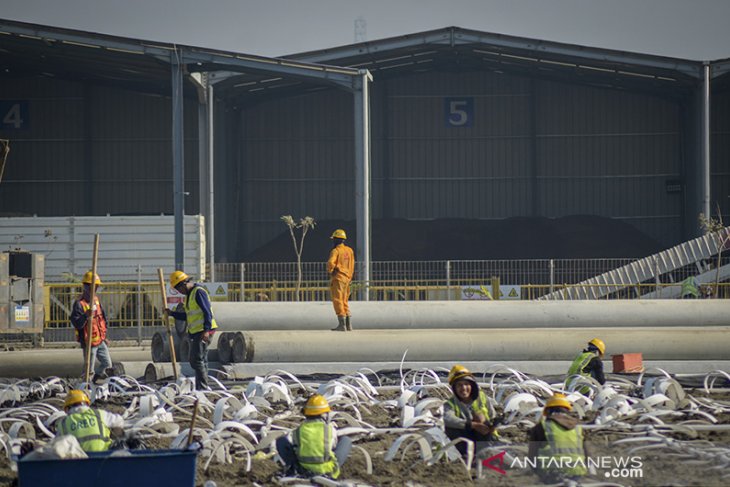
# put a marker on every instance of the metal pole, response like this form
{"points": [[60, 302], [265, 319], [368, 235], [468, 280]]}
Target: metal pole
{"points": [[211, 187], [448, 280], [706, 141], [178, 159], [362, 177], [139, 304], [203, 161], [552, 275], [242, 276]]}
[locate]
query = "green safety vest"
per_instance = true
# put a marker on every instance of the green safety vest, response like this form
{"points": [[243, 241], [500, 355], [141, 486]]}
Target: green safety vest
{"points": [[313, 448], [566, 444], [689, 287], [578, 366], [88, 428], [194, 314], [477, 406]]}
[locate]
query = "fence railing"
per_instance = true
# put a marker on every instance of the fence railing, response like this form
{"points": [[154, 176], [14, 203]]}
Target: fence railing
{"points": [[134, 307]]}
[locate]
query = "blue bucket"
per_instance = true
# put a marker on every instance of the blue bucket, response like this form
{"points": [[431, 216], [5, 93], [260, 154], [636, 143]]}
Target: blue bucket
{"points": [[143, 468]]}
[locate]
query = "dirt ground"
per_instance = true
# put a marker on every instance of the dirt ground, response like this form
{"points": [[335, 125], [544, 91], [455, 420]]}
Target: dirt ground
{"points": [[658, 468]]}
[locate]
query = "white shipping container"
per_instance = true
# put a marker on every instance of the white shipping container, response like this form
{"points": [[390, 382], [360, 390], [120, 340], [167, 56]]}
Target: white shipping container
{"points": [[125, 242]]}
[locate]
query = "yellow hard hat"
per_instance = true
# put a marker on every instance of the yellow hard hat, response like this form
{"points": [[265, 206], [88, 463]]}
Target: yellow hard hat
{"points": [[88, 278], [316, 405], [74, 397], [339, 233], [459, 372], [598, 343], [558, 400], [177, 277]]}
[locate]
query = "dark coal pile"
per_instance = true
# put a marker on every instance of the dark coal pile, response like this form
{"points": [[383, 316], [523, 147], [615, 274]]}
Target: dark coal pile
{"points": [[571, 237]]}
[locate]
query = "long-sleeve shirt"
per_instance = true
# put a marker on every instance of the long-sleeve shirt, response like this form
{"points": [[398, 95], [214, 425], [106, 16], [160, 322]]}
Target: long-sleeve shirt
{"points": [[341, 263], [79, 318], [203, 302], [595, 368]]}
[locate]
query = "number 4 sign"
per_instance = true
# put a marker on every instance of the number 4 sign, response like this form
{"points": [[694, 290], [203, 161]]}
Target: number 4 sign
{"points": [[13, 115]]}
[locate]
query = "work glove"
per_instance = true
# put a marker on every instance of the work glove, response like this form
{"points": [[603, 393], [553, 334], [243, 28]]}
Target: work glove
{"points": [[498, 420]]}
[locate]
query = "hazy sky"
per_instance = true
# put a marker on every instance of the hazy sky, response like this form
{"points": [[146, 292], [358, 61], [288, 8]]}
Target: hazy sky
{"points": [[691, 29]]}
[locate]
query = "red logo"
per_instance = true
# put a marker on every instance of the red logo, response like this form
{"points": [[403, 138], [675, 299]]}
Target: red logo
{"points": [[487, 462]]}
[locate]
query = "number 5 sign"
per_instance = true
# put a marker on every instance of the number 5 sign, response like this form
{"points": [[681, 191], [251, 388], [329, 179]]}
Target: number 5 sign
{"points": [[459, 112], [13, 115]]}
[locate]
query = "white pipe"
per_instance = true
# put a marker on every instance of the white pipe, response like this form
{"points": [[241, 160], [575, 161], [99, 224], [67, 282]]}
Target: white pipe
{"points": [[374, 315], [499, 344]]}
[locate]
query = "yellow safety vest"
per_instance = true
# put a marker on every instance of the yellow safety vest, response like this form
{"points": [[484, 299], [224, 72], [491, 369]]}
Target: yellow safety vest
{"points": [[566, 444], [194, 314], [477, 406], [313, 447], [88, 428], [578, 366]]}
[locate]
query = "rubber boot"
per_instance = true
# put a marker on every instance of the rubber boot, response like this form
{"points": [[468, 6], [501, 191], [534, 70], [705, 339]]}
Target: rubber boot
{"points": [[341, 326], [348, 323]]}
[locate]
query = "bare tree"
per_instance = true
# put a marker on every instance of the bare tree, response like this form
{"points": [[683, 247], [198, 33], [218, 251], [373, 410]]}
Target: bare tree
{"points": [[305, 224], [715, 226]]}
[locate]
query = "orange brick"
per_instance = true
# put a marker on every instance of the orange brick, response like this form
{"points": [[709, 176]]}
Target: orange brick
{"points": [[627, 363]]}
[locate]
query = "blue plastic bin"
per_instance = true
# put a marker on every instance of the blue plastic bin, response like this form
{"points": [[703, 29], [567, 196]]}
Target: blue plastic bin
{"points": [[144, 468]]}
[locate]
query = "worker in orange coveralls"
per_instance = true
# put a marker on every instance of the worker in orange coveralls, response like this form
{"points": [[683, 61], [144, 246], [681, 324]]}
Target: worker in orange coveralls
{"points": [[341, 267]]}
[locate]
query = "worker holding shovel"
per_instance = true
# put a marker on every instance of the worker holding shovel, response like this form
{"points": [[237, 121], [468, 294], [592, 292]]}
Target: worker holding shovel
{"points": [[83, 311], [198, 313]]}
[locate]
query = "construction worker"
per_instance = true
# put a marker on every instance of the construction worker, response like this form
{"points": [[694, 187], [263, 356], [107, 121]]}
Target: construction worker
{"points": [[314, 449], [81, 311], [341, 267], [690, 288], [588, 364], [556, 443], [466, 414], [91, 427], [201, 324]]}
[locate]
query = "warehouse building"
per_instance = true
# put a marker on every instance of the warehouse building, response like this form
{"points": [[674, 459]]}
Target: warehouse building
{"points": [[455, 124]]}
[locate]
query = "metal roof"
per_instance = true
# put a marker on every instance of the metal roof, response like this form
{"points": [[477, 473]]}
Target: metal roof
{"points": [[454, 48], [30, 49]]}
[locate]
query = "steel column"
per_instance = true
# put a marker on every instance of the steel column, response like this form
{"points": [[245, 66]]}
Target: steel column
{"points": [[362, 177], [706, 141], [178, 162]]}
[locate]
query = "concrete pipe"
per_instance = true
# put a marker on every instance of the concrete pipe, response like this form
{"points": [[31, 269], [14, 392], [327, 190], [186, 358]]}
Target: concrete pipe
{"points": [[183, 343], [656, 343], [63, 362], [238, 347], [184, 348], [154, 372], [223, 347], [160, 346], [372, 315]]}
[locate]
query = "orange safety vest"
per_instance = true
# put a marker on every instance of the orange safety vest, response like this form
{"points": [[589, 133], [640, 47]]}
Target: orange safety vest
{"points": [[98, 332]]}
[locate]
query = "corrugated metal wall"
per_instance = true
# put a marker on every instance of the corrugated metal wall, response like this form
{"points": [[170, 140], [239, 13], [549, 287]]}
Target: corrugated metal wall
{"points": [[720, 155], [609, 153], [296, 159], [530, 148], [76, 133]]}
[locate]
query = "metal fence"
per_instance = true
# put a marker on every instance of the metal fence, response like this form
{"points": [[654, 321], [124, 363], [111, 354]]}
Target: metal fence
{"points": [[134, 308]]}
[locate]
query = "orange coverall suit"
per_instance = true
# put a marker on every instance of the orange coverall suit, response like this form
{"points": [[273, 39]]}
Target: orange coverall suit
{"points": [[341, 267]]}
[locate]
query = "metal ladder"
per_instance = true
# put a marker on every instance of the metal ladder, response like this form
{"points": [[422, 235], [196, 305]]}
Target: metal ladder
{"points": [[645, 269]]}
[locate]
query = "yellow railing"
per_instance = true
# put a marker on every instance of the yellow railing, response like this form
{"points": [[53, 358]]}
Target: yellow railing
{"points": [[129, 304]]}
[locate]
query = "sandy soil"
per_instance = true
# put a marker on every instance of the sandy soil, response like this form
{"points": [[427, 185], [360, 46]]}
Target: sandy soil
{"points": [[658, 468]]}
